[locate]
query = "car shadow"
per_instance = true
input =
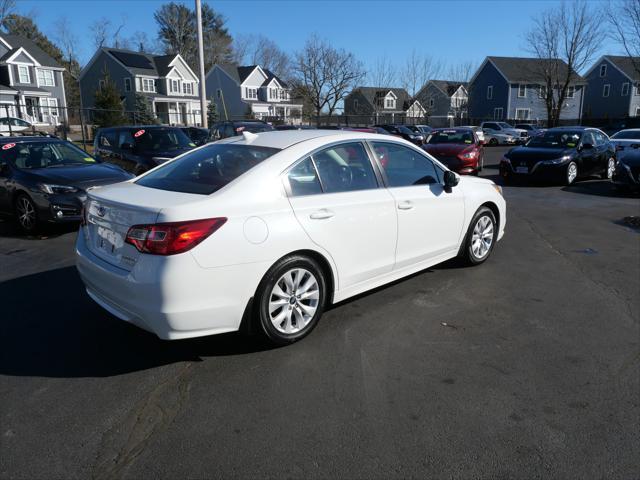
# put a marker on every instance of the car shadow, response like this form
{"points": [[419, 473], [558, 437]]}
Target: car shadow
{"points": [[10, 229], [49, 327], [601, 188]]}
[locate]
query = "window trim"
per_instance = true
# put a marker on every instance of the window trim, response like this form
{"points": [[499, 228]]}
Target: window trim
{"points": [[520, 87], [489, 92], [625, 89], [44, 71], [606, 88], [528, 110], [26, 67]]}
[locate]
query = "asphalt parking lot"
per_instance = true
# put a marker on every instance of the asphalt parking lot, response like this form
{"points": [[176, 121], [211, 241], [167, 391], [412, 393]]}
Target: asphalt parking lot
{"points": [[525, 367]]}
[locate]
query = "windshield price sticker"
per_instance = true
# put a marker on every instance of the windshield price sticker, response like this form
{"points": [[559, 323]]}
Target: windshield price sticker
{"points": [[7, 146], [138, 133]]}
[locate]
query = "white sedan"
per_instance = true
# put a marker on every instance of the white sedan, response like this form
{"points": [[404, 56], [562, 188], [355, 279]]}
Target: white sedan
{"points": [[9, 125], [266, 230]]}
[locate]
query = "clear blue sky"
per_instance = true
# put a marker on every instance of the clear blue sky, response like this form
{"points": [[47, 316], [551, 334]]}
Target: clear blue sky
{"points": [[454, 31]]}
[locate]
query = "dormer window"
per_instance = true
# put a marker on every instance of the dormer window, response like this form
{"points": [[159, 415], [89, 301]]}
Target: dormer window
{"points": [[603, 70], [251, 93], [23, 74]]}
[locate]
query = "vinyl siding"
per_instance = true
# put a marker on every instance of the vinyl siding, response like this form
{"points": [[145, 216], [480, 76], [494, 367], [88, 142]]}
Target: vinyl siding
{"points": [[91, 77], [615, 105], [537, 106], [479, 106], [218, 79]]}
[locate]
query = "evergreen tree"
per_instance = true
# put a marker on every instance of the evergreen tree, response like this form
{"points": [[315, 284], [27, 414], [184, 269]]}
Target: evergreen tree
{"points": [[212, 112], [143, 111], [109, 111]]}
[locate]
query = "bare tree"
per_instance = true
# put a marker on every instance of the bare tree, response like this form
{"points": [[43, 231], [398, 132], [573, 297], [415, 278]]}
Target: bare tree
{"points": [[624, 17], [325, 75], [461, 72], [68, 43], [6, 8], [565, 39], [260, 50], [382, 73], [418, 70], [100, 32]]}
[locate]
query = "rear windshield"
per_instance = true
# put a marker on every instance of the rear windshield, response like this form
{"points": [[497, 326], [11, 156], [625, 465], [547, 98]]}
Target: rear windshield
{"points": [[28, 155], [627, 135], [206, 170], [156, 139], [451, 136]]}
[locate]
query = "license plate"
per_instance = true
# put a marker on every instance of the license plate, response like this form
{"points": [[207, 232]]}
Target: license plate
{"points": [[107, 240], [522, 169]]}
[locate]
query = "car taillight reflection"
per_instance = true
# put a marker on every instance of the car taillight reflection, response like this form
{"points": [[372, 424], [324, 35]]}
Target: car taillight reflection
{"points": [[172, 238]]}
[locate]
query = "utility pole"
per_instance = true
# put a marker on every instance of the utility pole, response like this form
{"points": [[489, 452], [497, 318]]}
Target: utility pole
{"points": [[203, 88]]}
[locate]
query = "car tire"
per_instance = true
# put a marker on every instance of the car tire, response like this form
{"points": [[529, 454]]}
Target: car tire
{"points": [[480, 239], [291, 299], [481, 164], [26, 213], [493, 142], [609, 170], [571, 173]]}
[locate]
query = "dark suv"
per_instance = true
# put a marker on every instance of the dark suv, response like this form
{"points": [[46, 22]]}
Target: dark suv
{"points": [[231, 129], [140, 148]]}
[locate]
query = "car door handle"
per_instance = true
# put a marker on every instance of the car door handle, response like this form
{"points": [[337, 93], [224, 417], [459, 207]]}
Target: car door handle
{"points": [[321, 214], [405, 205]]}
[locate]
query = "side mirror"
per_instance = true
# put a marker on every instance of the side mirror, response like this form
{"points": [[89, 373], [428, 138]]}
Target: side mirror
{"points": [[126, 146], [450, 180]]}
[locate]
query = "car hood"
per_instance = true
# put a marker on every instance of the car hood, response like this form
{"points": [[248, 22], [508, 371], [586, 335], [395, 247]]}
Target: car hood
{"points": [[82, 176], [446, 149], [537, 154]]}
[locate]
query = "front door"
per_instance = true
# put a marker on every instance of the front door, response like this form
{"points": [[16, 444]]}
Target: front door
{"points": [[339, 202], [430, 220], [32, 106]]}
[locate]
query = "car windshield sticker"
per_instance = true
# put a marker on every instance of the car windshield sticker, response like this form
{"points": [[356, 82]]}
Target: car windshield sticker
{"points": [[89, 159], [7, 146], [571, 145], [138, 133], [191, 144]]}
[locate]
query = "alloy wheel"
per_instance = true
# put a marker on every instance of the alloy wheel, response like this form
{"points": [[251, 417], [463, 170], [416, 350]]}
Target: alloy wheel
{"points": [[294, 300], [572, 172], [611, 168], [482, 237], [26, 213]]}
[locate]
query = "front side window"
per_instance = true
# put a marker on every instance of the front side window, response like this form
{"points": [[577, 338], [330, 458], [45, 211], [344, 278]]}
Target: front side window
{"points": [[206, 170], [588, 138], [45, 78], [345, 168], [404, 166], [23, 74]]}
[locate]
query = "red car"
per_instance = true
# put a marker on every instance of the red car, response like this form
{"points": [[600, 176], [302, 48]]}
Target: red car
{"points": [[458, 148]]}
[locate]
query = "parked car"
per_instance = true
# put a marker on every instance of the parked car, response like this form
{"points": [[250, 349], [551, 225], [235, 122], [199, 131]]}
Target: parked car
{"points": [[293, 127], [478, 133], [45, 179], [403, 132], [625, 141], [231, 129], [532, 130], [561, 154], [424, 129], [140, 148], [192, 247], [457, 148], [626, 176], [198, 135], [503, 128], [10, 125], [496, 138]]}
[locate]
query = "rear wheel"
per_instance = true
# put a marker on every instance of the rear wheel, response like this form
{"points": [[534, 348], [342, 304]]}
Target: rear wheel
{"points": [[571, 173], [609, 170], [291, 299], [481, 237], [26, 213], [493, 141]]}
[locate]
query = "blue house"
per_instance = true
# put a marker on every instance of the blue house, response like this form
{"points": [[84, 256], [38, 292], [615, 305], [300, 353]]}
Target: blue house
{"points": [[613, 88], [512, 88]]}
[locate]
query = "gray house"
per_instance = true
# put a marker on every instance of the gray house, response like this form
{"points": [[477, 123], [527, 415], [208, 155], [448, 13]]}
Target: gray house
{"points": [[613, 88], [31, 83], [169, 84], [386, 104], [514, 88], [251, 91], [444, 99]]}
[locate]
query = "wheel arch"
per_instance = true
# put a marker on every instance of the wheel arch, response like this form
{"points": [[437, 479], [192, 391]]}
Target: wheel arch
{"points": [[327, 269], [494, 209]]}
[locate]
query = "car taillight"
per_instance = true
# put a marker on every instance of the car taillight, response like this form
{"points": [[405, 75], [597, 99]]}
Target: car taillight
{"points": [[468, 154], [172, 238]]}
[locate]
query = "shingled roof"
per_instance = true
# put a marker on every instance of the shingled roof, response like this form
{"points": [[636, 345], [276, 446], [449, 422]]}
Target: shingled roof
{"points": [[240, 73], [16, 42], [530, 70], [403, 102], [447, 86], [142, 63], [628, 65]]}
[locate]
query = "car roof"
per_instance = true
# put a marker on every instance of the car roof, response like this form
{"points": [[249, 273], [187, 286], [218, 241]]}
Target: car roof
{"points": [[30, 138], [282, 139], [146, 127]]}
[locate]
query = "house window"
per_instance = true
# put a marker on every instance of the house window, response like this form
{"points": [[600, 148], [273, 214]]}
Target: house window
{"points": [[23, 74], [490, 92], [571, 92], [187, 88], [637, 111], [282, 97], [542, 91], [522, 114], [625, 89], [432, 102], [522, 91], [606, 90], [355, 105], [49, 106], [497, 113], [638, 89], [603, 70], [101, 84], [45, 78], [174, 86], [148, 85], [251, 93], [389, 103], [127, 84]]}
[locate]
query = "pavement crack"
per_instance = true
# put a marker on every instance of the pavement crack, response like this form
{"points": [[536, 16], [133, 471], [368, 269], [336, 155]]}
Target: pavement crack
{"points": [[155, 411]]}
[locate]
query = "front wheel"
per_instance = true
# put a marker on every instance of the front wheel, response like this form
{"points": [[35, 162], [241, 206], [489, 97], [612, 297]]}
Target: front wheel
{"points": [[493, 142], [26, 213], [571, 173], [481, 237], [291, 299], [610, 170]]}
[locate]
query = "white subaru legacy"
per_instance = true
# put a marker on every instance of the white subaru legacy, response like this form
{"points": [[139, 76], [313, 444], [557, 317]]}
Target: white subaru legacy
{"points": [[266, 230]]}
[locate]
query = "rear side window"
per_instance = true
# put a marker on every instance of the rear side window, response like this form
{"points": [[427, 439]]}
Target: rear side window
{"points": [[206, 170], [107, 139], [404, 166]]}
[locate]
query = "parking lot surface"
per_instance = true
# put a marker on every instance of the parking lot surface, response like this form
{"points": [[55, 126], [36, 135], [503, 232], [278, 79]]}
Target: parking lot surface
{"points": [[524, 367]]}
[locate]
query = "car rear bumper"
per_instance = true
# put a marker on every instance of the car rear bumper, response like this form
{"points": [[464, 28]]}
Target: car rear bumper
{"points": [[172, 297]]}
